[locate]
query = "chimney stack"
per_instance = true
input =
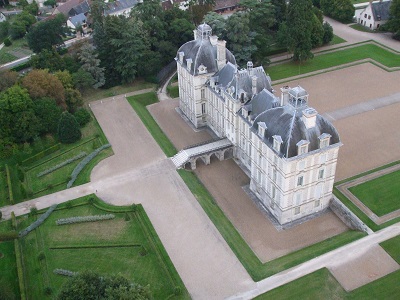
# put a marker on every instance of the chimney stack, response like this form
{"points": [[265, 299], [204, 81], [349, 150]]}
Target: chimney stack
{"points": [[221, 54]]}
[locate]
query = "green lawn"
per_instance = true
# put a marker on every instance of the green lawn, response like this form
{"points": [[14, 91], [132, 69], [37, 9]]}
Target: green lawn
{"points": [[19, 46], [362, 28], [96, 94], [337, 40], [381, 195], [107, 247], [250, 261], [8, 269], [139, 103], [173, 91], [333, 59]]}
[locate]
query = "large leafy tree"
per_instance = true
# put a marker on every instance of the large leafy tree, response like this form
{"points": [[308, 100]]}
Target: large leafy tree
{"points": [[7, 79], [21, 24], [393, 23], [48, 59], [68, 129], [239, 37], [46, 34], [299, 29], [18, 121], [217, 23], [48, 114], [90, 286], [341, 10], [40, 83], [91, 64]]}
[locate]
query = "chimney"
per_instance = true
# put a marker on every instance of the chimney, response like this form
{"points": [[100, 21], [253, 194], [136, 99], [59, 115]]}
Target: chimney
{"points": [[213, 40], [309, 117], [285, 95], [189, 64], [181, 55], [253, 84], [250, 68], [221, 54]]}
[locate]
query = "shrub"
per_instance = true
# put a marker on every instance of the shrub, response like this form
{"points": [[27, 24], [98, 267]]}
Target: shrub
{"points": [[82, 116], [38, 222], [68, 129], [13, 220], [48, 291], [33, 211], [126, 217], [8, 236], [7, 42], [83, 163], [65, 272], [60, 165], [81, 219], [177, 290]]}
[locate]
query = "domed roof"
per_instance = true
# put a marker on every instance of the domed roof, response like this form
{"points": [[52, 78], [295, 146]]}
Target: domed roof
{"points": [[201, 53], [286, 122]]}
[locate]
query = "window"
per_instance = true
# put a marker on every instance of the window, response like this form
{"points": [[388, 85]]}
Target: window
{"points": [[317, 203], [365, 15], [203, 108], [302, 147], [274, 175], [277, 143], [300, 180], [296, 210], [301, 165], [322, 159], [273, 192], [369, 17], [321, 173], [203, 93]]}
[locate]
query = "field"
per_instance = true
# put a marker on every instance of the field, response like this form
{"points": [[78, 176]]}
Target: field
{"points": [[322, 285], [126, 245], [333, 59], [380, 194]]}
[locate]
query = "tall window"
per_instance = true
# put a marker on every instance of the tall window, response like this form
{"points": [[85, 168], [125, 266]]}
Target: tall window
{"points": [[296, 210], [321, 173], [203, 108], [300, 180], [203, 93]]}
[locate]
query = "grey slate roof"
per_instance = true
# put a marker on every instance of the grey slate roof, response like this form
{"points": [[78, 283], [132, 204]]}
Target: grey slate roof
{"points": [[116, 6], [285, 121], [261, 102], [81, 8], [202, 52], [225, 75], [380, 10], [78, 19]]}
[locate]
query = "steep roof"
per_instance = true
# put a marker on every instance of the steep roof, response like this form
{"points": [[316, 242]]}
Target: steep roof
{"points": [[116, 6], [81, 8], [380, 10], [78, 19], [67, 6]]}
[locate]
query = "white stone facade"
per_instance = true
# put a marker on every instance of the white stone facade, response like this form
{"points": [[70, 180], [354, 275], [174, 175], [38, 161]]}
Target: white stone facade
{"points": [[288, 149]]}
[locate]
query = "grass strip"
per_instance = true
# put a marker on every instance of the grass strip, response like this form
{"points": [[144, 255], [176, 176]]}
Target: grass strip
{"points": [[20, 271], [245, 254], [94, 246], [336, 58], [139, 103]]}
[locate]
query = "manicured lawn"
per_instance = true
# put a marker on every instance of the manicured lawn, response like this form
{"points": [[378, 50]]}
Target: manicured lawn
{"points": [[334, 59], [359, 27], [92, 95], [19, 46], [126, 245], [8, 269], [250, 261], [139, 103], [392, 247], [337, 40], [173, 91], [381, 195]]}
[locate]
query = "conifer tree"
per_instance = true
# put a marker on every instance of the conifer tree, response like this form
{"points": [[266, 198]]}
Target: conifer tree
{"points": [[68, 129]]}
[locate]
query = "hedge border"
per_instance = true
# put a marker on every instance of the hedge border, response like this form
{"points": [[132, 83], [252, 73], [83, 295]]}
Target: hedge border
{"points": [[45, 152], [10, 192]]}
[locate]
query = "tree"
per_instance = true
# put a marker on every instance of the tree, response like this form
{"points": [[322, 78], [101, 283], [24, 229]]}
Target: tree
{"points": [[393, 24], [90, 286], [40, 84], [7, 79], [21, 24], [68, 129], [82, 79], [239, 37], [82, 116], [91, 64], [51, 3], [32, 8], [299, 29], [46, 34], [280, 11], [48, 114], [328, 33], [217, 23], [65, 78], [317, 32], [341, 10], [4, 28], [48, 59], [73, 99], [17, 118]]}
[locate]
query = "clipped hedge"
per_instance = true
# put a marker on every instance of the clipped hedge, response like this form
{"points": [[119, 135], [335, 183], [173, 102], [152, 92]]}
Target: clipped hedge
{"points": [[13, 220], [10, 192], [64, 272], [81, 219], [20, 271], [38, 222], [60, 165], [41, 154], [83, 163], [8, 236]]}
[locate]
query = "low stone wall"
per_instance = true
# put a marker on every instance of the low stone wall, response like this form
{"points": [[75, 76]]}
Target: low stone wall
{"points": [[347, 216]]}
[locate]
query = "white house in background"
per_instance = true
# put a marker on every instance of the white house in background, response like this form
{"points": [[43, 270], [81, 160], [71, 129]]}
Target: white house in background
{"points": [[76, 21], [289, 150], [375, 14], [120, 7]]}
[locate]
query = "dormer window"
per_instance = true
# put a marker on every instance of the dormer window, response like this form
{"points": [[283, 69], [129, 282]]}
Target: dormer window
{"points": [[324, 140], [302, 147], [261, 129], [189, 64], [277, 143], [202, 69]]}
